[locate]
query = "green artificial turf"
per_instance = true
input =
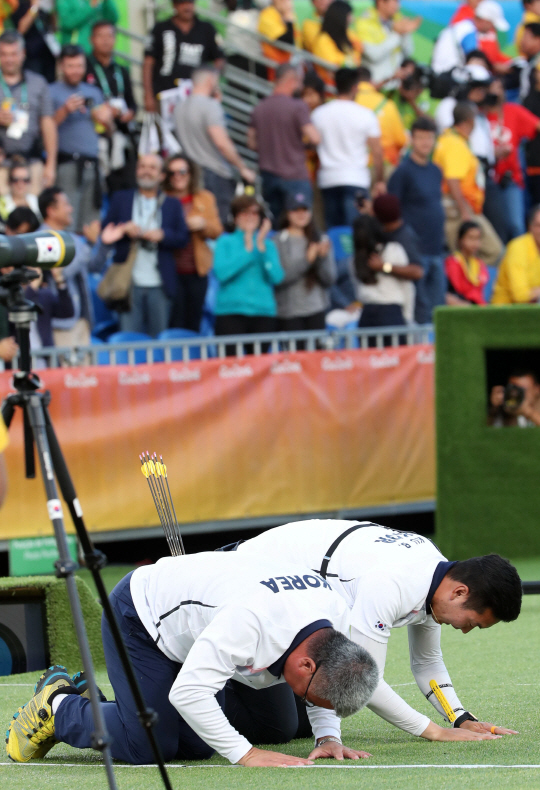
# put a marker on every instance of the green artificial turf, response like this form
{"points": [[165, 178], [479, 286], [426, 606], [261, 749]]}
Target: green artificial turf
{"points": [[496, 675], [60, 630]]}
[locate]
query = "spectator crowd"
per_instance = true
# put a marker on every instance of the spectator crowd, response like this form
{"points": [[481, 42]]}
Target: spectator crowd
{"points": [[433, 169]]}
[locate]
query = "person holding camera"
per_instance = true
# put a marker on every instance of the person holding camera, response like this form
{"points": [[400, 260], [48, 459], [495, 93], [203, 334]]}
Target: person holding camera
{"points": [[411, 96], [77, 107], [518, 403], [246, 264], [510, 125], [387, 262]]}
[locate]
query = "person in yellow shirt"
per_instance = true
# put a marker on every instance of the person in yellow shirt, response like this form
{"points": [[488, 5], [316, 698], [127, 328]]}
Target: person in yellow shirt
{"points": [[311, 27], [278, 22], [4, 441], [464, 184], [531, 13], [386, 35], [335, 43], [393, 133], [518, 279]]}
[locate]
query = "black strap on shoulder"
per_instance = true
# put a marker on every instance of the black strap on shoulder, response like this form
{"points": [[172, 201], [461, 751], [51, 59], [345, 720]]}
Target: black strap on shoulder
{"points": [[328, 556]]}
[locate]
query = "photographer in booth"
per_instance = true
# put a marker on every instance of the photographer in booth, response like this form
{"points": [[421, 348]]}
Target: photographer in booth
{"points": [[518, 403]]}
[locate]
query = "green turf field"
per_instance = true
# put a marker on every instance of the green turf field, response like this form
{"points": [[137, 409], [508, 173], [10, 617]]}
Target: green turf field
{"points": [[495, 672]]}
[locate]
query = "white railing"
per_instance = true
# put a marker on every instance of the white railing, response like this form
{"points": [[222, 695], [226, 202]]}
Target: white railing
{"points": [[193, 348]]}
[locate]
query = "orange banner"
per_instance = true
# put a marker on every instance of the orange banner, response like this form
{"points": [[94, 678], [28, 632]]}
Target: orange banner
{"points": [[276, 434]]}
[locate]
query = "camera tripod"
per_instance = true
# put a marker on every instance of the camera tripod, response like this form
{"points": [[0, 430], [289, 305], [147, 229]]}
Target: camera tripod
{"points": [[39, 432]]}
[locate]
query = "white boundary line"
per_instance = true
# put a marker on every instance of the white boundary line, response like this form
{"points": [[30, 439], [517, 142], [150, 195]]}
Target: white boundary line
{"points": [[349, 766]]}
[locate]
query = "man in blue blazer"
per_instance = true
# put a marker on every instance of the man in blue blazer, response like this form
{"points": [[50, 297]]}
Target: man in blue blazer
{"points": [[157, 223]]}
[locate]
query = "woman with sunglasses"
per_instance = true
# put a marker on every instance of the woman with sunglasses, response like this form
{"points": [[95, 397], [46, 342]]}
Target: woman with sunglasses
{"points": [[18, 195], [247, 266], [194, 261]]}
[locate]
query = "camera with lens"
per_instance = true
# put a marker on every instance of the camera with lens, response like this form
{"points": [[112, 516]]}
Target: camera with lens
{"points": [[490, 100], [420, 77], [149, 246], [513, 397]]}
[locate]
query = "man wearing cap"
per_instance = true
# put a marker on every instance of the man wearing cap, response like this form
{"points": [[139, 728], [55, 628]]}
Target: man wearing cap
{"points": [[456, 41], [349, 134], [174, 49]]}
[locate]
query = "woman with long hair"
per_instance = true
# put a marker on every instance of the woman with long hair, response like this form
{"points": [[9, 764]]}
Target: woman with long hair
{"points": [[336, 43], [194, 261], [309, 266]]}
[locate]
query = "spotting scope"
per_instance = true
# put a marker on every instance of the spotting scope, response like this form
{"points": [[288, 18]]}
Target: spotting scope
{"points": [[47, 249]]}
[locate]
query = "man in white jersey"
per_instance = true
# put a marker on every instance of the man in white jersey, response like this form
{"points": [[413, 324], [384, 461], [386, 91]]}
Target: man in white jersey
{"points": [[192, 625], [392, 579]]}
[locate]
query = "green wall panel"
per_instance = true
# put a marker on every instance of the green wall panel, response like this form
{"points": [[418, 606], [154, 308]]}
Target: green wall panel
{"points": [[488, 479]]}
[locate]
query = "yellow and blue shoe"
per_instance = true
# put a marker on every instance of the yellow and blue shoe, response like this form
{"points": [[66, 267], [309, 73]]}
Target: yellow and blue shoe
{"points": [[31, 733], [81, 684]]}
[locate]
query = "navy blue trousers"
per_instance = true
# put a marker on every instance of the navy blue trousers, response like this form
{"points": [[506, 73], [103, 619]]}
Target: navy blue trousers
{"points": [[267, 716], [156, 674]]}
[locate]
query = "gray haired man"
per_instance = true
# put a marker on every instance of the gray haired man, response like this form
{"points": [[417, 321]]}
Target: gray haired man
{"points": [[198, 626]]}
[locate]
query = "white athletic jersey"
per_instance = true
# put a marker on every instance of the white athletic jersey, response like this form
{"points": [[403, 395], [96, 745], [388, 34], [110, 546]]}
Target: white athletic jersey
{"points": [[224, 615], [384, 576]]}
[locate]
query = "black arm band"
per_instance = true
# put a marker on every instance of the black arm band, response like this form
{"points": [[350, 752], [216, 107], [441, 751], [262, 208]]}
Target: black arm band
{"points": [[464, 717]]}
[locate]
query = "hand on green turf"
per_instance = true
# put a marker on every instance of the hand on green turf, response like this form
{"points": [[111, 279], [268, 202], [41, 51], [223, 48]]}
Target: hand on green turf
{"points": [[485, 726], [337, 751], [435, 733], [262, 758]]}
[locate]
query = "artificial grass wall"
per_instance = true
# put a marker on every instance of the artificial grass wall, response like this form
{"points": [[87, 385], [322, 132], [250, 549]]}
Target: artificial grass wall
{"points": [[62, 640], [488, 479]]}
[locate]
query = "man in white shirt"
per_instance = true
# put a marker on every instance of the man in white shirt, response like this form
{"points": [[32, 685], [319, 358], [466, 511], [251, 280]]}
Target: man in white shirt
{"points": [[349, 134], [191, 625], [391, 579]]}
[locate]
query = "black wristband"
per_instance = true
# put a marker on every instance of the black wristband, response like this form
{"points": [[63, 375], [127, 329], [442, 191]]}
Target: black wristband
{"points": [[464, 717]]}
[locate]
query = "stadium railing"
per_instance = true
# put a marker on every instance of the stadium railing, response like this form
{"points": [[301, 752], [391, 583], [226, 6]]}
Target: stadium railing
{"points": [[189, 349]]}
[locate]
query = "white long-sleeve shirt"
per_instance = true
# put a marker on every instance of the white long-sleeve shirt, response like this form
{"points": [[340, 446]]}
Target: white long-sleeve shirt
{"points": [[226, 615], [385, 577]]}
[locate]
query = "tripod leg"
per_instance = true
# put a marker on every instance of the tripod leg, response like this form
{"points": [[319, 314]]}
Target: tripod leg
{"points": [[94, 561], [8, 410], [35, 410]]}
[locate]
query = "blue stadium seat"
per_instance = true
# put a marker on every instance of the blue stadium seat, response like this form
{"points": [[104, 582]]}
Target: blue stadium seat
{"points": [[208, 320], [103, 356], [342, 241], [105, 321], [179, 334], [129, 337]]}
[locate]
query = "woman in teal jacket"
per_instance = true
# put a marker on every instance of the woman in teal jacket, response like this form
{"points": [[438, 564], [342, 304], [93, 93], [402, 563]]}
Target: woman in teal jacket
{"points": [[247, 267]]}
